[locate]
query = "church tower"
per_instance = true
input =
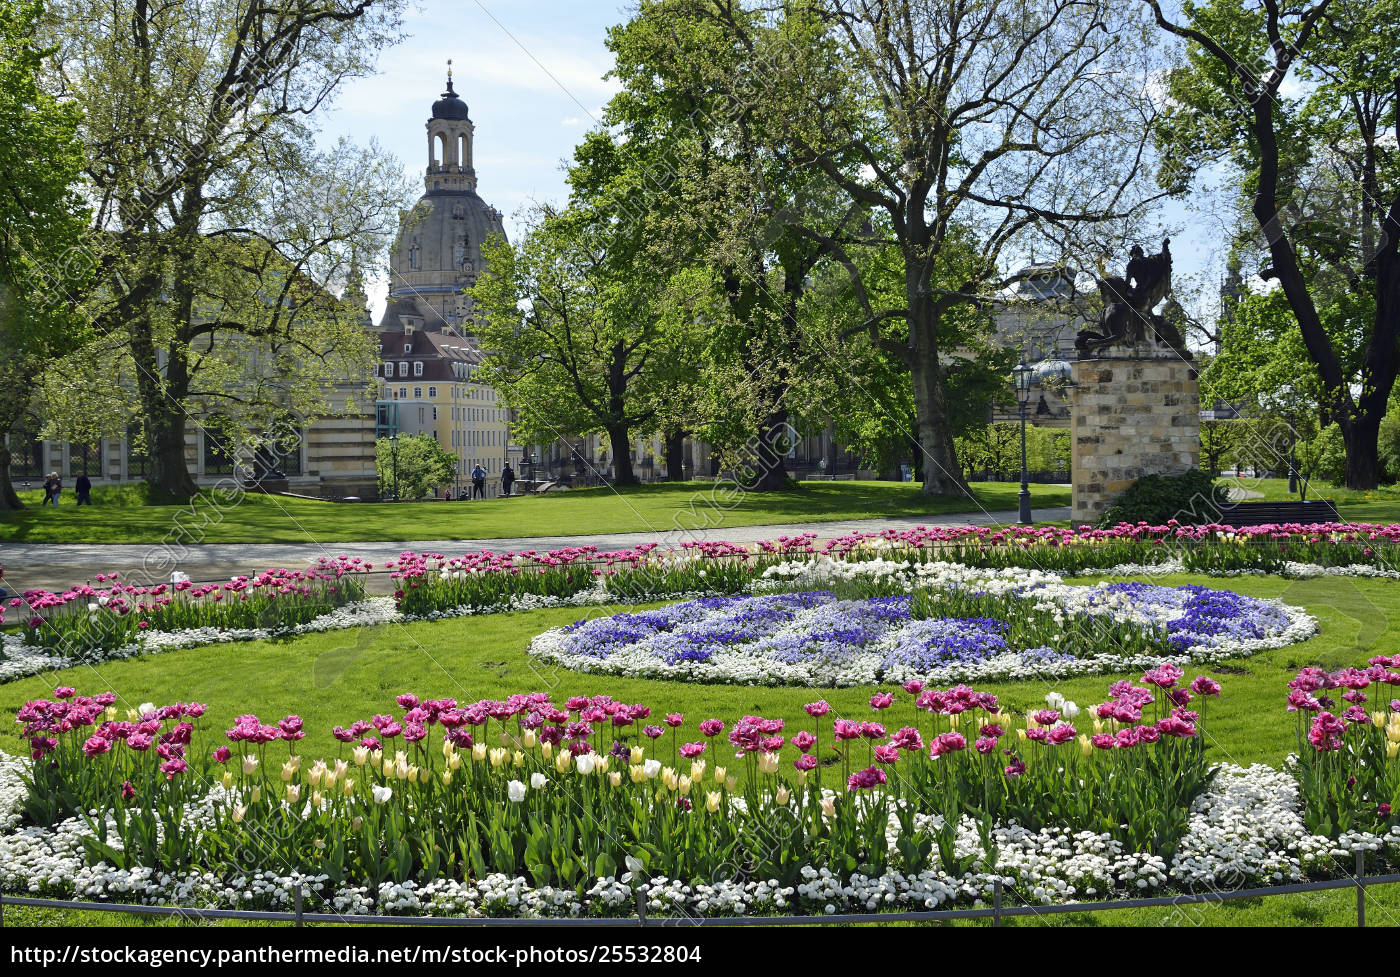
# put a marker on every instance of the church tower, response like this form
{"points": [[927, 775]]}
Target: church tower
{"points": [[438, 252], [450, 133]]}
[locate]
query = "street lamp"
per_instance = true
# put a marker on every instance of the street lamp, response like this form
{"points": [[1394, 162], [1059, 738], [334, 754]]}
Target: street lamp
{"points": [[1023, 398], [394, 452]]}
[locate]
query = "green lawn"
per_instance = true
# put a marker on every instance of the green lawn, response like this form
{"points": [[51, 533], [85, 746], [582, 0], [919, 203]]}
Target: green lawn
{"points": [[121, 516], [341, 676]]}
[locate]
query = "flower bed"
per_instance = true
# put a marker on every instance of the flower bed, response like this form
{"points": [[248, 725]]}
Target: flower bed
{"points": [[527, 807], [960, 624], [115, 620], [86, 619]]}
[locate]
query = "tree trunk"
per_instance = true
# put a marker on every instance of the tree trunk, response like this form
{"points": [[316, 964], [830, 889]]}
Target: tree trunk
{"points": [[676, 470], [768, 461], [9, 499], [942, 473], [620, 440], [1363, 455], [163, 406]]}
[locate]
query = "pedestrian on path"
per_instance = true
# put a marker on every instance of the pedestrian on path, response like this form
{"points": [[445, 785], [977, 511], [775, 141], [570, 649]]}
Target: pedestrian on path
{"points": [[83, 488], [479, 483], [507, 479], [53, 485]]}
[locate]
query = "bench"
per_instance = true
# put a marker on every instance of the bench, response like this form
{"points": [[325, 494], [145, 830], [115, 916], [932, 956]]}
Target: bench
{"points": [[1265, 513]]}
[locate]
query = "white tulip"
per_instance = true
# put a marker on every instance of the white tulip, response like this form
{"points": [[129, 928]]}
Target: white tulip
{"points": [[538, 780], [515, 790], [382, 794]]}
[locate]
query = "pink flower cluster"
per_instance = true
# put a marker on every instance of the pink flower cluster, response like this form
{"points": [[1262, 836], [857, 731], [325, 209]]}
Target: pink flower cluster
{"points": [[1307, 693], [115, 597], [45, 721]]}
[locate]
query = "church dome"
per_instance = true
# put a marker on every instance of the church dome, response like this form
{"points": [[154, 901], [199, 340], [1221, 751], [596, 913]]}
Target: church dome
{"points": [[450, 105]]}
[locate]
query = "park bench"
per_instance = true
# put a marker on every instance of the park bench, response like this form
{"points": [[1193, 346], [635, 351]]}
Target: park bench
{"points": [[1265, 513]]}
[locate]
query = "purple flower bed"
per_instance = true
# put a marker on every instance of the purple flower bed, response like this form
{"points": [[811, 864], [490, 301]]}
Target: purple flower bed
{"points": [[816, 638]]}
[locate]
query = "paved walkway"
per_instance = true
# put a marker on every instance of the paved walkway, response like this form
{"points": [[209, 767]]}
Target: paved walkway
{"points": [[57, 565]]}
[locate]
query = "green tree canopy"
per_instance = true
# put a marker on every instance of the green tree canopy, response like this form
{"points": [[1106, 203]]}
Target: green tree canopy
{"points": [[44, 271]]}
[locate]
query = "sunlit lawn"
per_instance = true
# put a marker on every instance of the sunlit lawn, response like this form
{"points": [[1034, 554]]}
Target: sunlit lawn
{"points": [[120, 515]]}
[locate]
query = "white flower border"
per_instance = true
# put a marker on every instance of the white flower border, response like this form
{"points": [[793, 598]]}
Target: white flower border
{"points": [[1245, 831]]}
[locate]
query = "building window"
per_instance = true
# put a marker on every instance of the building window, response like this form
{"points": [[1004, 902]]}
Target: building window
{"points": [[26, 449], [417, 393], [417, 368], [138, 452], [432, 393], [85, 459], [434, 413], [408, 347], [218, 460], [403, 368], [403, 393]]}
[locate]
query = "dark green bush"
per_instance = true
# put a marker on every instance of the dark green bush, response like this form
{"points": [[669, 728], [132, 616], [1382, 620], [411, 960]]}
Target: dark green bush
{"points": [[1190, 498]]}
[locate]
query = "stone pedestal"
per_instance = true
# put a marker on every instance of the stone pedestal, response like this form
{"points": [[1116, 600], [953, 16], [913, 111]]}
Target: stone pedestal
{"points": [[1136, 412]]}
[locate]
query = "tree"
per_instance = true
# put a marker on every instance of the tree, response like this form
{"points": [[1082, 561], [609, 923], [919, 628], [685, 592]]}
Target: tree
{"points": [[1000, 121], [220, 228], [1219, 437], [42, 277], [413, 465], [1320, 170], [582, 339], [690, 173]]}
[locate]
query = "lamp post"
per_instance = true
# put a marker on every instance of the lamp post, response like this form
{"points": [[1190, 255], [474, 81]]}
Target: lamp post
{"points": [[394, 453], [1023, 399]]}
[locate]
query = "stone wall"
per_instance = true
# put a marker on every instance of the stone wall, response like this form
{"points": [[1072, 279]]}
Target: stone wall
{"points": [[1136, 412]]}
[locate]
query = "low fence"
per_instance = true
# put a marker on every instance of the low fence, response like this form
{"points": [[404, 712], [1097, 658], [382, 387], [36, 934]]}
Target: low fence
{"points": [[996, 912]]}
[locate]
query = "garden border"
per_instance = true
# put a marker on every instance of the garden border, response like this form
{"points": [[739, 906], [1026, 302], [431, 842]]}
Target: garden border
{"points": [[996, 912]]}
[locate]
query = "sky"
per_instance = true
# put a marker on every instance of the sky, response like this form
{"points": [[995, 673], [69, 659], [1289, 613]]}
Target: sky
{"points": [[531, 72]]}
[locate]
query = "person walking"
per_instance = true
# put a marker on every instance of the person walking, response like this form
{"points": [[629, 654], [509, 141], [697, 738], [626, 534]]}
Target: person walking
{"points": [[507, 479], [479, 483], [53, 485], [83, 488]]}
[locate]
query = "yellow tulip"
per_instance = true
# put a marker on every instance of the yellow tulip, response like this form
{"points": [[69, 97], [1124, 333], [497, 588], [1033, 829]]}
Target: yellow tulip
{"points": [[255, 794], [683, 787], [615, 779], [518, 759], [289, 771], [360, 755], [479, 751], [697, 770], [828, 806], [637, 755], [227, 780], [423, 775], [731, 784], [719, 775], [712, 801], [601, 764], [547, 750], [238, 811], [1085, 746], [529, 739], [448, 749], [498, 756], [316, 798], [1392, 749], [250, 763], [447, 776], [562, 763], [1378, 719], [348, 788], [782, 795], [768, 763], [637, 773], [293, 793]]}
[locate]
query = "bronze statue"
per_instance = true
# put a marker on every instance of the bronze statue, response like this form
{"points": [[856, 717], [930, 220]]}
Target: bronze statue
{"points": [[1128, 302]]}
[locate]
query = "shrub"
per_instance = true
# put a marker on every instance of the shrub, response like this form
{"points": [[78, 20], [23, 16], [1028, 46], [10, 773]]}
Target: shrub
{"points": [[1192, 497]]}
